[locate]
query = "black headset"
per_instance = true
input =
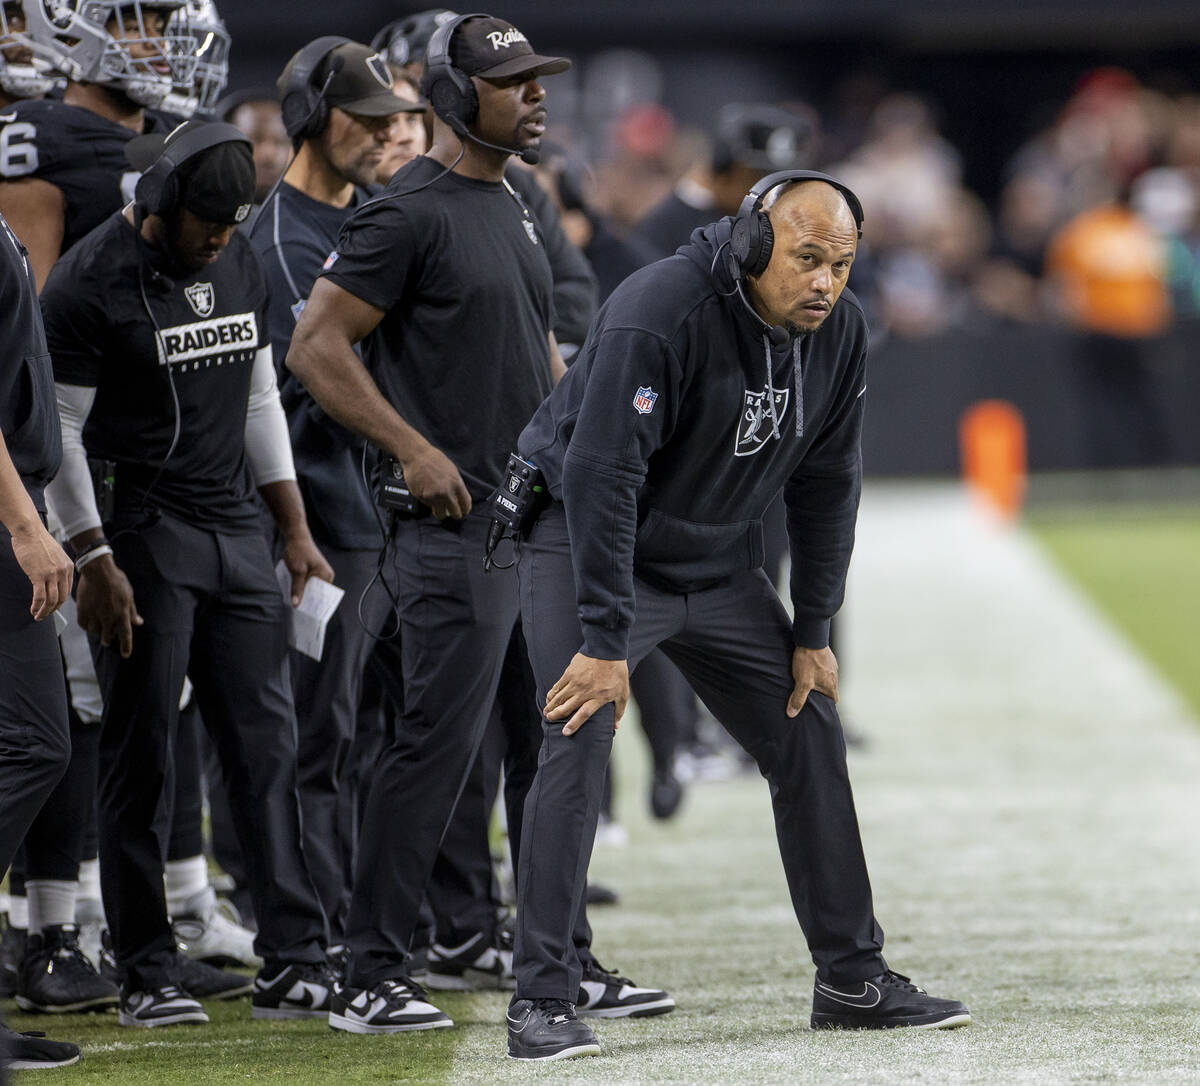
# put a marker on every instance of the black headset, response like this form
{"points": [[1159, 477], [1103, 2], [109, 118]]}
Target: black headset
{"points": [[449, 89], [752, 238], [303, 106], [158, 190]]}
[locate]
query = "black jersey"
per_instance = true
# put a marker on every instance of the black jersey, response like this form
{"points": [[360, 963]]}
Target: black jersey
{"points": [[79, 152], [462, 353], [28, 416], [187, 360]]}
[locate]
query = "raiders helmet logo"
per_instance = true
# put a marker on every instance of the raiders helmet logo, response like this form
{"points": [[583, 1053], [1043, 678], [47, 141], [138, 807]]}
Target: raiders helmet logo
{"points": [[378, 67], [241, 213], [756, 426], [200, 298]]}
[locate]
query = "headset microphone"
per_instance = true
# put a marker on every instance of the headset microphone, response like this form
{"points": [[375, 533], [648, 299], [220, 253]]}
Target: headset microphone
{"points": [[531, 156]]}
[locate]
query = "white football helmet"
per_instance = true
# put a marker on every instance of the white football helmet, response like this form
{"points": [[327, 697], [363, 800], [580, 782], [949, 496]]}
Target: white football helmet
{"points": [[201, 21], [25, 72], [116, 43]]}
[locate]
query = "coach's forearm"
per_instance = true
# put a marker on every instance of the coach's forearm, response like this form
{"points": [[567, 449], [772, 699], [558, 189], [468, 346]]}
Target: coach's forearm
{"points": [[325, 363]]}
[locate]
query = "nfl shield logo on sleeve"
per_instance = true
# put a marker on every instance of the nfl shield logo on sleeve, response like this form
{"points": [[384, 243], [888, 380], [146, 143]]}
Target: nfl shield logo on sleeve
{"points": [[643, 400]]}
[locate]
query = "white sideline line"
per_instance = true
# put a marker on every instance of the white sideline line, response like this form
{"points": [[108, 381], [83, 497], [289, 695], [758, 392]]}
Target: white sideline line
{"points": [[138, 1046]]}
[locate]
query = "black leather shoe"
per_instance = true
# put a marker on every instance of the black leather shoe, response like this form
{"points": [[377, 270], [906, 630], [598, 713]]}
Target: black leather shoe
{"points": [[547, 1029], [883, 1002]]}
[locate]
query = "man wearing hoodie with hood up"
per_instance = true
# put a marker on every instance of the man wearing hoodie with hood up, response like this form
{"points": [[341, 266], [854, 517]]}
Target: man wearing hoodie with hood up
{"points": [[709, 381]]}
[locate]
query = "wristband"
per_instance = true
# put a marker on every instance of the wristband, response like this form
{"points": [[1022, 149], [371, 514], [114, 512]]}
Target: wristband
{"points": [[97, 550]]}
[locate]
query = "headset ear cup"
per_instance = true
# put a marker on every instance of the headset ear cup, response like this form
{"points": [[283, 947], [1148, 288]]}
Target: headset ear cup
{"points": [[758, 260], [452, 95]]}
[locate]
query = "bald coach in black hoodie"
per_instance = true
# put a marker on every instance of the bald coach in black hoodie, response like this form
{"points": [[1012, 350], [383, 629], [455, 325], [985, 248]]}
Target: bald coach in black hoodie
{"points": [[709, 381]]}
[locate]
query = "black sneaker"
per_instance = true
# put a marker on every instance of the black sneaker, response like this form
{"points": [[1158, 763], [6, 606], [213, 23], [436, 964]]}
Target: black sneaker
{"points": [[666, 793], [160, 1007], [299, 990], [883, 1002], [547, 1029], [57, 978], [604, 994], [337, 962], [203, 981], [30, 1051], [470, 965], [391, 1006]]}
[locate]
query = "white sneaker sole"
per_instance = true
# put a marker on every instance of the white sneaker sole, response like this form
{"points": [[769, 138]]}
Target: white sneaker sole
{"points": [[352, 1025], [473, 980], [565, 1054], [99, 1003], [279, 1013], [634, 1010], [184, 1018]]}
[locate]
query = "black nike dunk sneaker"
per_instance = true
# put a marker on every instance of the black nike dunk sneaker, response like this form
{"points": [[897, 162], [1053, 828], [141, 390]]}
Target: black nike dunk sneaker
{"points": [[547, 1029], [887, 1001]]}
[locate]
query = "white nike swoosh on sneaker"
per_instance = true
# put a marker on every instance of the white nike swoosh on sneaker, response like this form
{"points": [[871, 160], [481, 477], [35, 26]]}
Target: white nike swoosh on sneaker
{"points": [[512, 1023], [869, 997]]}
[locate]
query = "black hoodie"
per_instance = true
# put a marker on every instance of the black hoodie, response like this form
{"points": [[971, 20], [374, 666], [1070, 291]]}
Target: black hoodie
{"points": [[677, 425]]}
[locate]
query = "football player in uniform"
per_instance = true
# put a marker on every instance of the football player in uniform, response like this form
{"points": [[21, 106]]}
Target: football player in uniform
{"points": [[119, 57], [23, 72], [198, 95]]}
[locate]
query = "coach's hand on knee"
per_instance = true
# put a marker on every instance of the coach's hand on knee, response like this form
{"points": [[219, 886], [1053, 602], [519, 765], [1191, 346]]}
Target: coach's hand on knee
{"points": [[585, 686], [105, 603], [812, 669]]}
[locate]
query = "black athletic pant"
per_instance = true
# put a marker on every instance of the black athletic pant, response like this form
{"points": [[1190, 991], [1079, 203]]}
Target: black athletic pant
{"points": [[212, 609], [457, 622], [462, 892], [327, 693], [35, 743], [733, 644]]}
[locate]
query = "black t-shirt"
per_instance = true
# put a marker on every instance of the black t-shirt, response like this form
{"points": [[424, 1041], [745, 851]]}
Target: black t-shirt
{"points": [[293, 234], [198, 349], [462, 351], [78, 151], [28, 416]]}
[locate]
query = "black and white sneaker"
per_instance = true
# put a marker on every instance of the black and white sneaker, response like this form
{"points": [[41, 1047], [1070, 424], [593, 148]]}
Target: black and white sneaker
{"points": [[604, 994], [57, 978], [299, 990], [547, 1029], [391, 1006], [887, 1001], [31, 1051], [167, 1006], [470, 965], [203, 981]]}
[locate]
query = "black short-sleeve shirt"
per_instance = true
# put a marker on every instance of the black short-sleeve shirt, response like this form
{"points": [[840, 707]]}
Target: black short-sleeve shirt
{"points": [[460, 269], [78, 151], [195, 346]]}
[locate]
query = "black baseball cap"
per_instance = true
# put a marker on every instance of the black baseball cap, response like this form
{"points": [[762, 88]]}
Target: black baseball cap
{"points": [[216, 184], [493, 49], [361, 81]]}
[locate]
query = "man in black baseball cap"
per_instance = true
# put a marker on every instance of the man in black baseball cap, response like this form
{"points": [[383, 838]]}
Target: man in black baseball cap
{"points": [[494, 49], [162, 365]]}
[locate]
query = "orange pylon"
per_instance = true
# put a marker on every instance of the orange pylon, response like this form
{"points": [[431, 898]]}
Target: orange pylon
{"points": [[991, 436]]}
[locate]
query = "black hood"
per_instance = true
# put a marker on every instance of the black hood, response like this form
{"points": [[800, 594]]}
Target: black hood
{"points": [[708, 248]]}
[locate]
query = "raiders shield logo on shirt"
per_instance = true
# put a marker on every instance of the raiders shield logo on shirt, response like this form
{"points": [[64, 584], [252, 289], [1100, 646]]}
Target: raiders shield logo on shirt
{"points": [[756, 425], [200, 298]]}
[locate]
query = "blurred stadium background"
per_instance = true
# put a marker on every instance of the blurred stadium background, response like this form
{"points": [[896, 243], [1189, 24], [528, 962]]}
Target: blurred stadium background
{"points": [[975, 131]]}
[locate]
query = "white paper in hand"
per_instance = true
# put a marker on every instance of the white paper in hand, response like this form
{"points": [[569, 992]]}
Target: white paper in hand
{"points": [[307, 623]]}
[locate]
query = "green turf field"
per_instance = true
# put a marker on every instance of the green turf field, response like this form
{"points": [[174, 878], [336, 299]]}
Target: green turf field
{"points": [[1027, 800], [1141, 565]]}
